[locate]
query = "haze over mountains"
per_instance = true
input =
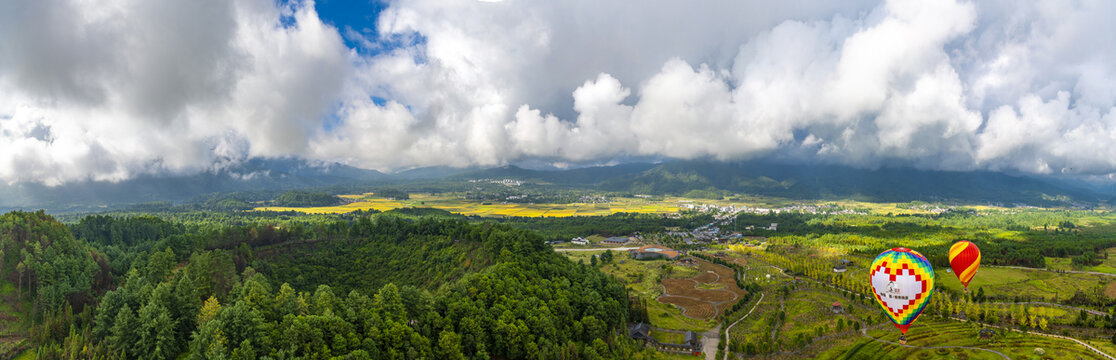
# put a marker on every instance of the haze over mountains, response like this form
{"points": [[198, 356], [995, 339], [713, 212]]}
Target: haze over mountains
{"points": [[266, 178]]}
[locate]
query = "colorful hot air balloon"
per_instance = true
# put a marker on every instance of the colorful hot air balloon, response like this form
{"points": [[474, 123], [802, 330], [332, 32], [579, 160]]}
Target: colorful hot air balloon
{"points": [[964, 258], [902, 280]]}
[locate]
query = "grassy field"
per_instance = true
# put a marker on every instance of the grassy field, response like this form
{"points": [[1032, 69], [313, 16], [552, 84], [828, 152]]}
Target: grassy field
{"points": [[1104, 345], [668, 337], [933, 333], [1035, 283], [1108, 266]]}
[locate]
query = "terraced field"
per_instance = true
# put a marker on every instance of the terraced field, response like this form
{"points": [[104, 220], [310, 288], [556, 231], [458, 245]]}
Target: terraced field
{"points": [[705, 295], [928, 335]]}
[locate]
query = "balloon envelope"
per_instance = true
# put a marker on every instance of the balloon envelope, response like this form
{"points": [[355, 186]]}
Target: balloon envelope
{"points": [[964, 258], [902, 281]]}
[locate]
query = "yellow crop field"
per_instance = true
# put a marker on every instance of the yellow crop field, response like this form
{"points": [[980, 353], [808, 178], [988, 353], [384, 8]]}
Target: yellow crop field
{"points": [[458, 205]]}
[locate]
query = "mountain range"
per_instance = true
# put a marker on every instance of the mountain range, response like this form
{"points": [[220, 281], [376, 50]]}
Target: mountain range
{"points": [[268, 177]]}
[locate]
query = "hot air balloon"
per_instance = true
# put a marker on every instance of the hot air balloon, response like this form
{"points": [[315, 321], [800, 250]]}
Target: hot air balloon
{"points": [[902, 280], [964, 258]]}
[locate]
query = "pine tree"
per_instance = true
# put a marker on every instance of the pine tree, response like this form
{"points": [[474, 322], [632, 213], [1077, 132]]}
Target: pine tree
{"points": [[123, 336]]}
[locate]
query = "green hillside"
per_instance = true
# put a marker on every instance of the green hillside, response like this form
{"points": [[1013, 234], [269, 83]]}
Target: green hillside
{"points": [[383, 287]]}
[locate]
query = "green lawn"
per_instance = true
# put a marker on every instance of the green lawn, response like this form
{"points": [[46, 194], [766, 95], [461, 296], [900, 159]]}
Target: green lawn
{"points": [[668, 337]]}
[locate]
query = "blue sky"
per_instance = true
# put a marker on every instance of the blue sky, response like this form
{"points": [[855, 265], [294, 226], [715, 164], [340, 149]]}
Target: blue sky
{"points": [[358, 15]]}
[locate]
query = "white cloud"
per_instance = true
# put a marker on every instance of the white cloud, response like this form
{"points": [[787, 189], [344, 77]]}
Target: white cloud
{"points": [[109, 90]]}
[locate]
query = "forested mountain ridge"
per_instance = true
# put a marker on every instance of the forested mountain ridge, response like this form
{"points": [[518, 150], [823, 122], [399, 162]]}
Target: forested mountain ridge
{"points": [[838, 182], [240, 187], [252, 175], [227, 299]]}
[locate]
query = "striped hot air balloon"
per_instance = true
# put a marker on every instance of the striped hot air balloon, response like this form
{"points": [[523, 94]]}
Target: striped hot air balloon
{"points": [[902, 280], [964, 258]]}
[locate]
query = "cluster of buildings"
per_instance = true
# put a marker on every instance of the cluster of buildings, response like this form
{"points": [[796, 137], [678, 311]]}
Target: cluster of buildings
{"points": [[592, 199], [708, 207], [508, 182], [612, 241], [804, 209]]}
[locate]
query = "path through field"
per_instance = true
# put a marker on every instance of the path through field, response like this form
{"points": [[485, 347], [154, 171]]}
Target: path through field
{"points": [[713, 355]]}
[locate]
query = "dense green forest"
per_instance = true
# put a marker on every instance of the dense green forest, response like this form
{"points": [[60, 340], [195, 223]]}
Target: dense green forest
{"points": [[305, 199], [619, 224], [355, 288]]}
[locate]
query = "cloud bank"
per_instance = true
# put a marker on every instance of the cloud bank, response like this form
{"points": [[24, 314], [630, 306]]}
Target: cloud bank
{"points": [[109, 90]]}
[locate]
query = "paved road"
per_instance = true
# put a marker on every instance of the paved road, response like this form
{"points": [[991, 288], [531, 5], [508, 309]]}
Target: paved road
{"points": [[712, 355], [599, 249], [864, 332]]}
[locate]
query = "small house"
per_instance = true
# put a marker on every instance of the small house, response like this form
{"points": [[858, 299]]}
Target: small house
{"points": [[839, 268], [687, 262], [693, 341], [579, 241], [641, 331], [837, 308], [987, 333]]}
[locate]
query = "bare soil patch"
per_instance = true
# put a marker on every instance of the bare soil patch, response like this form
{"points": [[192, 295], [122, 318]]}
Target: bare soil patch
{"points": [[700, 303]]}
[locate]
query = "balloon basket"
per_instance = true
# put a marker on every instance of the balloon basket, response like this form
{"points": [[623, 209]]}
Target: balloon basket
{"points": [[903, 339]]}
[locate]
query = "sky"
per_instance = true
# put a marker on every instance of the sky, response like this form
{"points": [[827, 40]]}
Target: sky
{"points": [[108, 90]]}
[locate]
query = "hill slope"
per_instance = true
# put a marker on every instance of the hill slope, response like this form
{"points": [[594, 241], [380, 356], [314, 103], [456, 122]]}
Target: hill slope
{"points": [[252, 175], [829, 181]]}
